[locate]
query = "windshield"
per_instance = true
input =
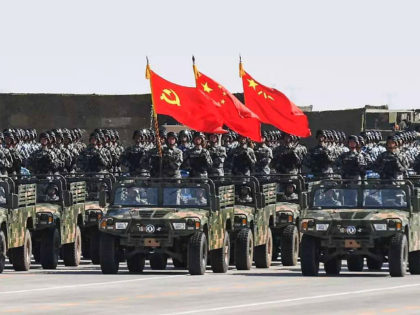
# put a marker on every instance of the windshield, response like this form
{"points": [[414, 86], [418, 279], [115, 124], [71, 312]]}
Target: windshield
{"points": [[136, 196], [384, 198], [47, 192], [185, 196], [335, 198]]}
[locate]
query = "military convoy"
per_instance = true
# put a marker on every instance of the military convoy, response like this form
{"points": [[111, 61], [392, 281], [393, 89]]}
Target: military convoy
{"points": [[196, 222], [374, 219]]}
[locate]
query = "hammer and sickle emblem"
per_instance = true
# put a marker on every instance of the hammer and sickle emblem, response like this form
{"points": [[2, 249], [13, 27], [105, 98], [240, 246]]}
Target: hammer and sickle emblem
{"points": [[170, 97]]}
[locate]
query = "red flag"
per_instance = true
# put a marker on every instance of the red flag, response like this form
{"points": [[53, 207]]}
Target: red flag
{"points": [[273, 107], [187, 105], [235, 114]]}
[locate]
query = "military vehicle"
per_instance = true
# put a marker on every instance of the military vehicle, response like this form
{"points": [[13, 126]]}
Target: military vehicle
{"points": [[291, 200], [184, 219], [17, 215], [95, 182], [373, 219], [255, 208], [59, 218]]}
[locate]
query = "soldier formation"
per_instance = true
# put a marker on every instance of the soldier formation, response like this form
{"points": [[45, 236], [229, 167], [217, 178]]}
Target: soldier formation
{"points": [[194, 154]]}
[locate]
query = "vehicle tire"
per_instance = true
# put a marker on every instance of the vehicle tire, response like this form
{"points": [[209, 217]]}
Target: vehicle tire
{"points": [[355, 263], [220, 257], [244, 249], [264, 253], [36, 251], [85, 246], [290, 246], [108, 254], [197, 254], [178, 263], [158, 261], [333, 267], [3, 248], [276, 251], [94, 247], [50, 248], [374, 264], [21, 256], [73, 251], [398, 255], [414, 262], [135, 263], [309, 257]]}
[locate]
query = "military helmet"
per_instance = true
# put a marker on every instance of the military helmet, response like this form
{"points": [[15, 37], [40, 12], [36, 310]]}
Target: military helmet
{"points": [[172, 134], [44, 135], [199, 135]]}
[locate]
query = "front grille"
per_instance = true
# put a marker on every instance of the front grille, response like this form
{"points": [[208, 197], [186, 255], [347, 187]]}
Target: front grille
{"points": [[146, 214]]}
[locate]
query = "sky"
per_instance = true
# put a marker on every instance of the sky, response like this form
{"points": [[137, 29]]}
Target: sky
{"points": [[329, 54]]}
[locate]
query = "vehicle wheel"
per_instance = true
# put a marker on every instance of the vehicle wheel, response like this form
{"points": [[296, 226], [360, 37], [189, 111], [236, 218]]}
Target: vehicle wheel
{"points": [[220, 257], [158, 261], [373, 264], [73, 251], [290, 246], [398, 255], [108, 254], [333, 266], [355, 263], [50, 248], [244, 250], [36, 251], [85, 246], [414, 262], [264, 253], [309, 257], [197, 254], [178, 263], [135, 263], [94, 247], [2, 251], [21, 256]]}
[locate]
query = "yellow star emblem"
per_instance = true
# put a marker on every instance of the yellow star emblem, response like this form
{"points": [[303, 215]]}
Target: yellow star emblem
{"points": [[206, 87], [222, 101], [252, 83]]}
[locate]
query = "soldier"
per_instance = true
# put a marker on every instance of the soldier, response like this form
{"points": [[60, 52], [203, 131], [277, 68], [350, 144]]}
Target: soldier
{"points": [[218, 156], [133, 157], [197, 159], [352, 163], [93, 158], [288, 157], [5, 158], [243, 158], [320, 159], [44, 160], [390, 164], [15, 156], [184, 140], [264, 155]]}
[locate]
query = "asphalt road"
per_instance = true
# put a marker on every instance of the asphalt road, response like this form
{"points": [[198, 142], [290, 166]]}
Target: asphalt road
{"points": [[70, 290]]}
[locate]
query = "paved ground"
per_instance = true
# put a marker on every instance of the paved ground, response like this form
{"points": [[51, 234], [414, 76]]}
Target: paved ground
{"points": [[270, 291]]}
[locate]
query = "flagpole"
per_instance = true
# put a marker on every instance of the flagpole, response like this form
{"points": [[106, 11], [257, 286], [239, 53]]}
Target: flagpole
{"points": [[155, 118]]}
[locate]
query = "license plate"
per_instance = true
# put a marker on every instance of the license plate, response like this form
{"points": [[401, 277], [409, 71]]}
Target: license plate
{"points": [[351, 244], [151, 242]]}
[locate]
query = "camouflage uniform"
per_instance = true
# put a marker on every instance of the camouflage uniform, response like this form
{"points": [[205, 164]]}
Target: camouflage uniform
{"points": [[264, 155], [198, 161], [243, 160], [218, 156]]}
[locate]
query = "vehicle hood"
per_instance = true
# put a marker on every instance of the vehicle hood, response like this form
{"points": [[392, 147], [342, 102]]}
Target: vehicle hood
{"points": [[156, 213], [357, 214]]}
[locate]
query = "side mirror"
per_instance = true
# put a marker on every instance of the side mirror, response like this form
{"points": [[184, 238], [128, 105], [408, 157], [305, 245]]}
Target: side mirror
{"points": [[67, 198], [102, 199], [261, 201], [12, 201]]}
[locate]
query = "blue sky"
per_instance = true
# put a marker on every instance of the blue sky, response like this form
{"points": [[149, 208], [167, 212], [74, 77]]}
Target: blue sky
{"points": [[331, 54]]}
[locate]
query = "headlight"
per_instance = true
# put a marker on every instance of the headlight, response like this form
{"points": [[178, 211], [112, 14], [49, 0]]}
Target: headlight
{"points": [[240, 220], [121, 225], [307, 224], [285, 217], [322, 226], [179, 226], [394, 224], [107, 224], [380, 226], [193, 224]]}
